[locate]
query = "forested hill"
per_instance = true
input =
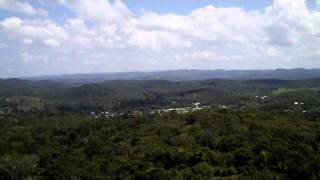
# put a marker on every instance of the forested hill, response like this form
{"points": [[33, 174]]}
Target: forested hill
{"points": [[128, 95], [207, 144], [122, 129], [187, 75]]}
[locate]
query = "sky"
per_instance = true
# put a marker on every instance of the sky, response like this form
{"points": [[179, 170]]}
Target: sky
{"points": [[48, 37]]}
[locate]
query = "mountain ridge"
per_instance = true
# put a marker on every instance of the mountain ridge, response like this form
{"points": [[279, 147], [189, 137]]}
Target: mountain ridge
{"points": [[185, 75]]}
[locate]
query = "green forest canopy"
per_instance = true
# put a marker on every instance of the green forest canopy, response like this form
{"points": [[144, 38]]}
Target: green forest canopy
{"points": [[213, 143]]}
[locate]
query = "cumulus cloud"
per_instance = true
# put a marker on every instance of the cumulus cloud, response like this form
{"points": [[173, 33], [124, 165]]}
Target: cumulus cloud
{"points": [[3, 45], [99, 10], [27, 41], [288, 21], [21, 7], [208, 24], [52, 42], [283, 33], [200, 55], [41, 31], [156, 40]]}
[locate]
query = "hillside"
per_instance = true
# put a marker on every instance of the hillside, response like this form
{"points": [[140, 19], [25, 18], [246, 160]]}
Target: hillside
{"points": [[145, 95], [213, 143], [188, 75], [152, 129]]}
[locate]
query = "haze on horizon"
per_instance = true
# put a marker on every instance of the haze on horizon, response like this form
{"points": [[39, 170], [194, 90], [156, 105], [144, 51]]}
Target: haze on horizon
{"points": [[42, 37]]}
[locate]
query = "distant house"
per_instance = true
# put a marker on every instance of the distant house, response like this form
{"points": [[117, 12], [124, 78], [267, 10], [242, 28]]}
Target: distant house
{"points": [[224, 107], [298, 103], [196, 105]]}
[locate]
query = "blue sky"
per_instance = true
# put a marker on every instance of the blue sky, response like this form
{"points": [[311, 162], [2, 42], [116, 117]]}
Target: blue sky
{"points": [[60, 13], [41, 37], [186, 6]]}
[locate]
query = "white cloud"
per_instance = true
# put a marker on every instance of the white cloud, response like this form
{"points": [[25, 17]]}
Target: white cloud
{"points": [[3, 45], [201, 55], [100, 10], [21, 7], [289, 17], [271, 51], [41, 31], [26, 57], [11, 23], [107, 33], [156, 40], [208, 24], [52, 42], [27, 41]]}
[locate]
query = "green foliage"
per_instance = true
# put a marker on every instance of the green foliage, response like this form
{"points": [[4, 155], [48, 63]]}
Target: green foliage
{"points": [[25, 97], [207, 144]]}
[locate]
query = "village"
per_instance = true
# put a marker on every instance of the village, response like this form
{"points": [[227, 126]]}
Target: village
{"points": [[26, 104], [297, 107], [179, 110]]}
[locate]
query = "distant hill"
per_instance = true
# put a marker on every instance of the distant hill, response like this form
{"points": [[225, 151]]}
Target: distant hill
{"points": [[18, 95], [187, 75]]}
